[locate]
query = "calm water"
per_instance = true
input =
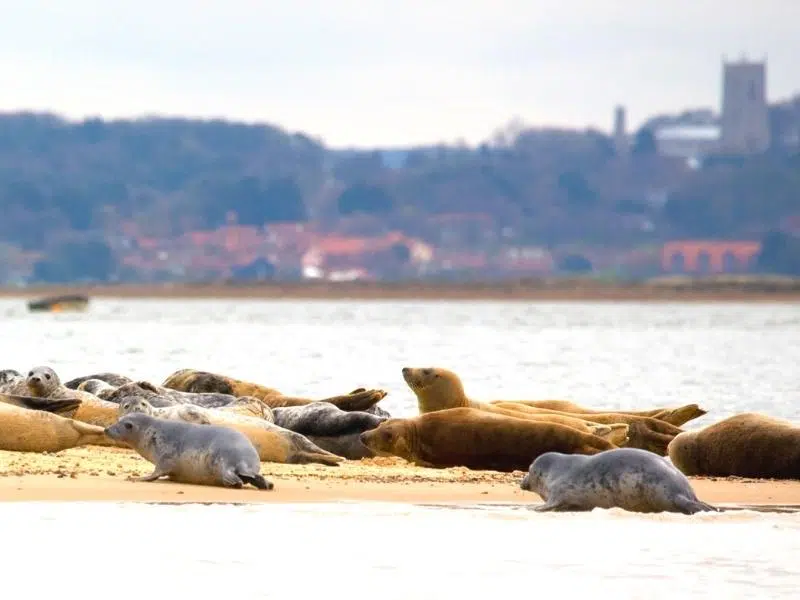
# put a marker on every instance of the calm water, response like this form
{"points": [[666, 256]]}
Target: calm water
{"points": [[728, 358]]}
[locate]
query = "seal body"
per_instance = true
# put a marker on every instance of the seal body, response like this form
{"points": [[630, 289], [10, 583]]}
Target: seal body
{"points": [[26, 430], [190, 380], [476, 439], [43, 382], [438, 388], [744, 445], [628, 478], [161, 396], [272, 442], [329, 427], [189, 453], [13, 382], [97, 387], [112, 379]]}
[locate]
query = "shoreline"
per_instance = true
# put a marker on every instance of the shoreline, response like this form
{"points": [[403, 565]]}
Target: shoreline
{"points": [[730, 289], [94, 474]]}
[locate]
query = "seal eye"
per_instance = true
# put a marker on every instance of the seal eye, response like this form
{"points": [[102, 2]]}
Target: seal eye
{"points": [[30, 374], [46, 376], [128, 426]]}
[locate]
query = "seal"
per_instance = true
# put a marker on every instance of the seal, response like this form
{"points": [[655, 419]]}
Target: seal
{"points": [[112, 379], [96, 387], [437, 389], [190, 380], [42, 430], [628, 478], [43, 382], [476, 439], [12, 382], [744, 445], [189, 453], [160, 396], [272, 442], [330, 427], [59, 407]]}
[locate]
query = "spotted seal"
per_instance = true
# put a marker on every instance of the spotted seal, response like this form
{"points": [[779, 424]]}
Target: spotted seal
{"points": [[189, 453], [628, 478]]}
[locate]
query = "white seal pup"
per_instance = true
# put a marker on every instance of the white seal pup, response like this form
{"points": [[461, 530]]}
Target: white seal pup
{"points": [[628, 478], [189, 453]]}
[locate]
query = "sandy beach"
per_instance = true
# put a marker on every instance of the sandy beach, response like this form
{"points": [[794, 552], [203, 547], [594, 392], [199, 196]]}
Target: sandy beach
{"points": [[99, 474]]}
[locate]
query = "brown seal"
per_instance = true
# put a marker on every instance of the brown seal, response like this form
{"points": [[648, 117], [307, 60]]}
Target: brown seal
{"points": [[744, 445], [189, 380], [25, 430], [477, 439], [438, 388]]}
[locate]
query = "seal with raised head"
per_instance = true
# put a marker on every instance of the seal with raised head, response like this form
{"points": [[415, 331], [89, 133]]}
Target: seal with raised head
{"points": [[41, 429], [329, 427], [476, 439], [43, 382], [628, 478], [190, 380], [744, 445], [437, 389], [189, 453], [112, 379], [272, 442]]}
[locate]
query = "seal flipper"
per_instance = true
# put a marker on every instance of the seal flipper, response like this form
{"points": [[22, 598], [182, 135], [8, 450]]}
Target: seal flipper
{"points": [[66, 406], [156, 474], [358, 399], [256, 480], [689, 506], [231, 479], [558, 507]]}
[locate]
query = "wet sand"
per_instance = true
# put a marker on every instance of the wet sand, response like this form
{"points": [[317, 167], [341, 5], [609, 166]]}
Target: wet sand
{"points": [[99, 474]]}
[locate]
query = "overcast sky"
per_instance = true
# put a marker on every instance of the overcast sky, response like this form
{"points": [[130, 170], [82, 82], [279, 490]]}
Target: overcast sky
{"points": [[388, 72]]}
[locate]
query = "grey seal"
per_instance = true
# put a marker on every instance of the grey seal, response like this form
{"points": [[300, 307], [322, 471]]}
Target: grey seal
{"points": [[98, 387], [160, 396], [628, 478], [13, 382], [190, 453], [329, 427], [112, 379]]}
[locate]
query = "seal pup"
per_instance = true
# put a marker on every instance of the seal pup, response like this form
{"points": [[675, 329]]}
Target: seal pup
{"points": [[329, 427], [628, 478], [272, 442], [43, 382], [25, 430], [190, 380], [189, 453], [744, 445], [437, 388], [112, 379], [476, 439]]}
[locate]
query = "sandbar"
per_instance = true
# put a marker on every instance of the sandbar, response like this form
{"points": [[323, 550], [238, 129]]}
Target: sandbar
{"points": [[95, 474]]}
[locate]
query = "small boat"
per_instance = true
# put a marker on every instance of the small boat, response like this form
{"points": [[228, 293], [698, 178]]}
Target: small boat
{"points": [[64, 303]]}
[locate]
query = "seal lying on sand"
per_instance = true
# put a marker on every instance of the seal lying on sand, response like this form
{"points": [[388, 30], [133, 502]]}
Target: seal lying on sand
{"points": [[744, 445], [161, 396], [190, 380], [112, 379], [25, 430], [476, 439], [437, 389], [97, 387], [329, 427], [272, 442], [43, 382], [628, 478], [188, 453]]}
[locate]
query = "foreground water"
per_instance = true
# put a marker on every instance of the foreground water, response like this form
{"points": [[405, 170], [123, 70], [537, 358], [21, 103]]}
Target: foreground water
{"points": [[729, 358], [395, 552]]}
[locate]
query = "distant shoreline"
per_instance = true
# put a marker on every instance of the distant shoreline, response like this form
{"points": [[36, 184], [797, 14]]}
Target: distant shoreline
{"points": [[729, 289]]}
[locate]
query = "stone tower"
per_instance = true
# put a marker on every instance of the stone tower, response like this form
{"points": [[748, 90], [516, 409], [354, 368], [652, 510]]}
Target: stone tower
{"points": [[745, 117], [620, 132]]}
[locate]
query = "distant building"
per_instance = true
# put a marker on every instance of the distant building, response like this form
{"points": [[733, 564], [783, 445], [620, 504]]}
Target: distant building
{"points": [[620, 135], [687, 141], [745, 115], [709, 257]]}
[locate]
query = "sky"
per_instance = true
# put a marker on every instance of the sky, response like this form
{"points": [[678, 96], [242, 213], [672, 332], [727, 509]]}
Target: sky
{"points": [[388, 73]]}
